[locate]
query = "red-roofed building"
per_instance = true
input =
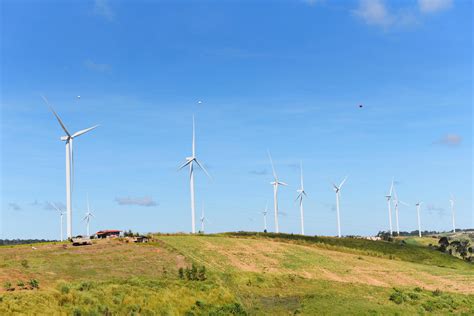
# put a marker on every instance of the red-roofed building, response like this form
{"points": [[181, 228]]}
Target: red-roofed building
{"points": [[109, 233]]}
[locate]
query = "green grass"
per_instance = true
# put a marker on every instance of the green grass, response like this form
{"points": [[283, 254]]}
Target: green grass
{"points": [[247, 274]]}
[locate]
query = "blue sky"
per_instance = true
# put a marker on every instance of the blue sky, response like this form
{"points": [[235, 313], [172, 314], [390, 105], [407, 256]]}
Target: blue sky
{"points": [[287, 76]]}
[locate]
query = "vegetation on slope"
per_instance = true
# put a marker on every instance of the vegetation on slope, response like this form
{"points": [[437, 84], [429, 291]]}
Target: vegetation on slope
{"points": [[243, 276]]}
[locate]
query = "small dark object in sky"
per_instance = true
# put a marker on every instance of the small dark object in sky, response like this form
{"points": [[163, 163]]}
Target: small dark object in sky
{"points": [[361, 106]]}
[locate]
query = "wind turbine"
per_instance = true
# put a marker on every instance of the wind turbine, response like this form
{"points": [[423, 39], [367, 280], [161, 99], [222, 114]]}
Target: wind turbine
{"points": [[88, 216], [61, 213], [265, 217], [418, 206], [389, 204], [69, 165], [396, 203], [203, 219], [301, 192], [451, 201], [337, 189], [190, 162], [275, 183]]}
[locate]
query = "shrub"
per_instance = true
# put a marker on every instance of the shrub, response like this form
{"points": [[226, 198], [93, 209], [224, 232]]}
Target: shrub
{"points": [[397, 297], [8, 286], [85, 286], [181, 273], [20, 284], [417, 289], [64, 288], [33, 283], [24, 263], [202, 274], [437, 292]]}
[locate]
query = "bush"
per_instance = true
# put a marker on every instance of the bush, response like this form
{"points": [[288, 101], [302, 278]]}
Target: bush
{"points": [[193, 274], [437, 292], [20, 284], [33, 283], [8, 286], [64, 288], [397, 297], [24, 263]]}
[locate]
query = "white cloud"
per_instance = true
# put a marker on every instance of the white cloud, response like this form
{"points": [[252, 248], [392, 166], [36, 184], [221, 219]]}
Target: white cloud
{"points": [[433, 6], [450, 140], [140, 201], [102, 8], [374, 12], [96, 66], [14, 206]]}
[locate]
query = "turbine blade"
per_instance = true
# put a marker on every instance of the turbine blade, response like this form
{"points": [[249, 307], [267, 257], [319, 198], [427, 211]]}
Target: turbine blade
{"points": [[282, 183], [194, 139], [273, 167], [301, 167], [57, 116], [342, 183], [184, 165], [84, 131], [203, 169], [391, 189]]}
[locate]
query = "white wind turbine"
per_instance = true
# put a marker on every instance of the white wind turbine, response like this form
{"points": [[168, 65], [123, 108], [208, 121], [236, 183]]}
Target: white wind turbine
{"points": [[396, 203], [389, 203], [265, 217], [190, 161], [301, 192], [337, 189], [61, 213], [451, 201], [418, 207], [69, 166], [275, 183], [88, 216], [203, 219]]}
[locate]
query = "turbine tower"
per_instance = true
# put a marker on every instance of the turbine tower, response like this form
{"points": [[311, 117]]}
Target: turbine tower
{"points": [[88, 216], [337, 189], [418, 206], [69, 165], [190, 162], [389, 204], [275, 183], [451, 201], [61, 213], [301, 192]]}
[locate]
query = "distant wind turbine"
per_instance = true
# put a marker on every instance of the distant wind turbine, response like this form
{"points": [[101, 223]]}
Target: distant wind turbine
{"points": [[301, 192], [418, 206], [265, 217], [190, 161], [203, 219], [61, 213], [275, 183], [396, 203], [88, 216], [69, 165], [451, 201], [389, 203], [337, 189]]}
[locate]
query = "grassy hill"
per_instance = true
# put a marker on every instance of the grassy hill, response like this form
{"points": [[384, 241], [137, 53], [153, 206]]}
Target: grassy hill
{"points": [[245, 273]]}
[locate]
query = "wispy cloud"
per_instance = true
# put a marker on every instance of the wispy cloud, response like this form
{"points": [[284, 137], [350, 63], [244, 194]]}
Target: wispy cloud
{"points": [[14, 206], [449, 140], [431, 208], [102, 8], [140, 201], [433, 6], [262, 172], [377, 13], [374, 12], [89, 64]]}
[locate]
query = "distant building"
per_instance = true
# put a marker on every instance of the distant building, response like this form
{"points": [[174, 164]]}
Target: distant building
{"points": [[110, 233]]}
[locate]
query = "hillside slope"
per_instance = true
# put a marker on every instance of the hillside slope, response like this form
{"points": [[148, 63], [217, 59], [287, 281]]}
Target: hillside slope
{"points": [[245, 274]]}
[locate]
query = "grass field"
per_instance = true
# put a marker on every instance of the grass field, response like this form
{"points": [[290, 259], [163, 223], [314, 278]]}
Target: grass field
{"points": [[246, 274]]}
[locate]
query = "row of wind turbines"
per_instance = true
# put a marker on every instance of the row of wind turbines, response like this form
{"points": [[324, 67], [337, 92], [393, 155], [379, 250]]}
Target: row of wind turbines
{"points": [[192, 160]]}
